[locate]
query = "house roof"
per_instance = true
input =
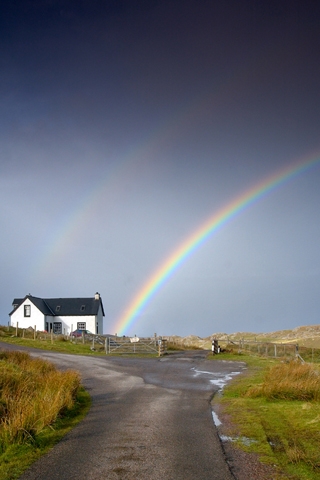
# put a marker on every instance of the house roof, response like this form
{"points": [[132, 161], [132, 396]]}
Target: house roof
{"points": [[63, 306]]}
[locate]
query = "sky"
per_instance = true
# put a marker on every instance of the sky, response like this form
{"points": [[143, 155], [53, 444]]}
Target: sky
{"points": [[125, 125]]}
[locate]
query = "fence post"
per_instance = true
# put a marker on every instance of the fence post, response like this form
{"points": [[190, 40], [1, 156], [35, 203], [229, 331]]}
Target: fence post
{"points": [[34, 332], [275, 350], [17, 329], [215, 346]]}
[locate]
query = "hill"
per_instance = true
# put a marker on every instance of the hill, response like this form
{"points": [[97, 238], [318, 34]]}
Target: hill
{"points": [[304, 336]]}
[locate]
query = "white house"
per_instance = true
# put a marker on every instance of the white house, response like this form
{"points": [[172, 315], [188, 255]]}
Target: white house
{"points": [[60, 315]]}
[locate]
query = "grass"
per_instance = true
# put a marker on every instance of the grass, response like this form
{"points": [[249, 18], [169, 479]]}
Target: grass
{"points": [[276, 405], [38, 405], [59, 343]]}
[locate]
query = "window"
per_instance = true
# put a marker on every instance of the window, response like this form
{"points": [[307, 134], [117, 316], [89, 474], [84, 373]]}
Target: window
{"points": [[57, 328], [81, 325], [58, 308], [83, 307], [27, 310]]}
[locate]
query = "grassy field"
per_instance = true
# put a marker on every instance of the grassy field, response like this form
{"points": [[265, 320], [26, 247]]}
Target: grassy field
{"points": [[38, 405], [275, 407], [58, 343]]}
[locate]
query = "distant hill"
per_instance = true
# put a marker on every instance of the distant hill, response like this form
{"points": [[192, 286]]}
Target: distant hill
{"points": [[305, 336]]}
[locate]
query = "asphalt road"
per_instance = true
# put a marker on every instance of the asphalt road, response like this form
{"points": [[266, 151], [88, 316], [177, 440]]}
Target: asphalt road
{"points": [[150, 419]]}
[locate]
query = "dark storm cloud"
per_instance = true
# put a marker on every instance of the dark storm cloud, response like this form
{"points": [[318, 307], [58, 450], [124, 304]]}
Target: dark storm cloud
{"points": [[167, 110]]}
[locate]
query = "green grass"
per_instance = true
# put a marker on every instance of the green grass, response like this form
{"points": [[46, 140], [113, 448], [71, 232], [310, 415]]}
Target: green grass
{"points": [[276, 404], [38, 405], [43, 341], [60, 343]]}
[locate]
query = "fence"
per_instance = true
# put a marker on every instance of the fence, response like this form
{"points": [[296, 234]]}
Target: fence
{"points": [[276, 350]]}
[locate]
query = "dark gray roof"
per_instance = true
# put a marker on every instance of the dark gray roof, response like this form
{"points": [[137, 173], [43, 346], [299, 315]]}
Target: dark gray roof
{"points": [[62, 306]]}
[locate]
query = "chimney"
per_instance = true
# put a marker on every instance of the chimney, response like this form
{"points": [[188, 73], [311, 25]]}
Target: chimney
{"points": [[97, 296]]}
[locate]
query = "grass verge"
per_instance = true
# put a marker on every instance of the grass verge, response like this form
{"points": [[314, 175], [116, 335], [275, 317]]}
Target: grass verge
{"points": [[39, 405], [59, 343], [276, 406]]}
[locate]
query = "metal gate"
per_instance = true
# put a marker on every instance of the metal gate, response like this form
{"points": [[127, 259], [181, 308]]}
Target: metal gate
{"points": [[135, 345]]}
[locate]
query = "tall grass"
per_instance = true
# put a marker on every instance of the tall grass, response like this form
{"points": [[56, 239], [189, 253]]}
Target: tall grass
{"points": [[32, 395], [289, 381]]}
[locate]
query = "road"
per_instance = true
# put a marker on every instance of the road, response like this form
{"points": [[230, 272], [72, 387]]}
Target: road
{"points": [[150, 419]]}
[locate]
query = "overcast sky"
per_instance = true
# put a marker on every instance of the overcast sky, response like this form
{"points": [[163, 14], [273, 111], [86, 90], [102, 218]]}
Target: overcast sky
{"points": [[126, 124]]}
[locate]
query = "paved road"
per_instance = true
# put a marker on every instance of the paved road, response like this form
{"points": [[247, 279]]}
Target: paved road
{"points": [[150, 419]]}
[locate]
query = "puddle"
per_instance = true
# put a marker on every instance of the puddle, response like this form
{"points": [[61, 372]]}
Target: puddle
{"points": [[225, 438], [216, 420], [221, 378], [244, 440]]}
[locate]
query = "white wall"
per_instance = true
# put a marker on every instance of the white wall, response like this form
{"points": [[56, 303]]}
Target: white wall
{"points": [[36, 318], [70, 323]]}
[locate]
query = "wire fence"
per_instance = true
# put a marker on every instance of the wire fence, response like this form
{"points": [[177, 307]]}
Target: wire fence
{"points": [[275, 350]]}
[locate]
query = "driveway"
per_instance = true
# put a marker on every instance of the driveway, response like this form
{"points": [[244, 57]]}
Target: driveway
{"points": [[150, 419]]}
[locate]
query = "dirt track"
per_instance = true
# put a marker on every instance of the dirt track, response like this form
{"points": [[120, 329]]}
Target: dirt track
{"points": [[150, 419]]}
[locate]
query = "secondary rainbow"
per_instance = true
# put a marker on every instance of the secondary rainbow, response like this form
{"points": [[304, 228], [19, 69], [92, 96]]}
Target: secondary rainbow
{"points": [[206, 230]]}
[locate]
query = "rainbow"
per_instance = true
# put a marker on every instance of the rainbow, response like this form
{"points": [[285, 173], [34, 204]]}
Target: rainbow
{"points": [[201, 235], [60, 238]]}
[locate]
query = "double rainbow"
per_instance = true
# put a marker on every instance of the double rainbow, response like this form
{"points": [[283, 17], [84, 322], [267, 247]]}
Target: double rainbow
{"points": [[201, 235]]}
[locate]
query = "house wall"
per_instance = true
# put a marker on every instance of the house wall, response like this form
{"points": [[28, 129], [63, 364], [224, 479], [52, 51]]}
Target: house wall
{"points": [[36, 317], [70, 323]]}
